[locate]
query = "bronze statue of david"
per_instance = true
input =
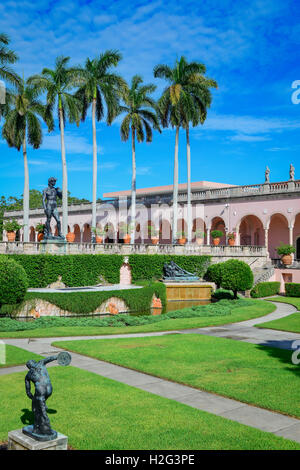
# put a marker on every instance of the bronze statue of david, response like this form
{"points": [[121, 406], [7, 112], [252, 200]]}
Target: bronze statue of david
{"points": [[50, 207]]}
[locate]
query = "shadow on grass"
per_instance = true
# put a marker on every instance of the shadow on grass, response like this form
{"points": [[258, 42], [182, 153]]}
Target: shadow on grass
{"points": [[27, 417], [281, 350]]}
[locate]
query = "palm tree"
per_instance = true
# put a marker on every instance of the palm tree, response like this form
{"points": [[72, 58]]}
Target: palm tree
{"points": [[22, 125], [7, 56], [58, 83], [184, 100], [140, 117], [98, 86]]}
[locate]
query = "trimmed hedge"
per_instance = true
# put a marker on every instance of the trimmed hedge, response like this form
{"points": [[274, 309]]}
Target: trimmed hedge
{"points": [[151, 266], [223, 307], [84, 270], [138, 300], [292, 289], [76, 270], [264, 289]]}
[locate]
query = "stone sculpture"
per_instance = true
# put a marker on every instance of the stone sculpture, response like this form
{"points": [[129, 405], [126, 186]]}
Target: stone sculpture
{"points": [[267, 175], [292, 173], [38, 375], [50, 207]]}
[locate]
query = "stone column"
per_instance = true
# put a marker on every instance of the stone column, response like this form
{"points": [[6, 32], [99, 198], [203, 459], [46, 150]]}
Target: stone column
{"points": [[266, 239], [208, 236], [291, 231]]}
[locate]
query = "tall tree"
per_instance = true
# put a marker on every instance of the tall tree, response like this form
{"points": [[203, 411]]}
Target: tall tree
{"points": [[23, 125], [98, 86], [7, 57], [140, 118], [185, 100], [58, 84]]}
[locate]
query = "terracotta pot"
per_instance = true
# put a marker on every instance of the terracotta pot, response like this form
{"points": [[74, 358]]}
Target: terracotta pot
{"points": [[287, 259], [199, 241], [182, 241], [40, 236], [70, 237], [231, 241], [216, 241], [127, 239], [99, 239], [11, 236], [154, 241]]}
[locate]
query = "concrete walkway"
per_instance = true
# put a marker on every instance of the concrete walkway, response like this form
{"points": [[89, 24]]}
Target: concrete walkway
{"points": [[259, 418]]}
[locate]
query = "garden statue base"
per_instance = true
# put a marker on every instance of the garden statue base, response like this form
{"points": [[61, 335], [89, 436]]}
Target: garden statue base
{"points": [[55, 246], [17, 440], [188, 290]]}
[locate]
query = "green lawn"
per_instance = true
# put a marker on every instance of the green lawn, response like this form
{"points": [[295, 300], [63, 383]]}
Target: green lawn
{"points": [[99, 413], [287, 300], [250, 373], [257, 309], [290, 323], [16, 356]]}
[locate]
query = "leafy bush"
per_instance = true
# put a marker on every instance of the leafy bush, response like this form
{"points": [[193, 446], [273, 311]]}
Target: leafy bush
{"points": [[11, 225], [214, 274], [292, 289], [220, 294], [151, 266], [13, 282], [87, 302], [236, 275], [216, 233], [285, 249], [264, 289]]}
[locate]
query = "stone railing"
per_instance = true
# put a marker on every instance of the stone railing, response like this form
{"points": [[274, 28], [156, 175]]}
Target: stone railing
{"points": [[139, 248]]}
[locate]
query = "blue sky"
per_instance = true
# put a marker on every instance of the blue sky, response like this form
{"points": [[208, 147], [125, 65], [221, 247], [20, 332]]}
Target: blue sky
{"points": [[250, 48]]}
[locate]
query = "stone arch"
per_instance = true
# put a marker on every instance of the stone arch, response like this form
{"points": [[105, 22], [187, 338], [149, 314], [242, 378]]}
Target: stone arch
{"points": [[182, 226], [198, 224], [77, 232], [87, 234], [165, 232], [278, 232], [217, 223], [251, 231], [110, 232], [32, 234]]}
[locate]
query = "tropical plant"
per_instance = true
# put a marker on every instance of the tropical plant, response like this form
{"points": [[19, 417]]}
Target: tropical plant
{"points": [[7, 57], [285, 249], [58, 84], [231, 235], [185, 100], [140, 116], [12, 225], [199, 233], [40, 227], [98, 231], [180, 234], [153, 231], [99, 87], [216, 233], [22, 125]]}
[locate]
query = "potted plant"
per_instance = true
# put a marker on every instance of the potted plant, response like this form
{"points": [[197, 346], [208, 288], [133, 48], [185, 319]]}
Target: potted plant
{"points": [[126, 230], [199, 234], [181, 237], [285, 251], [11, 226], [70, 237], [99, 234], [231, 238], [40, 229], [216, 235], [153, 234]]}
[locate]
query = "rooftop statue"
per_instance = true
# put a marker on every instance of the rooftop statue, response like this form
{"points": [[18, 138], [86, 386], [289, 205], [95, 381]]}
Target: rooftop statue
{"points": [[173, 272], [38, 375], [50, 207], [292, 173], [267, 175]]}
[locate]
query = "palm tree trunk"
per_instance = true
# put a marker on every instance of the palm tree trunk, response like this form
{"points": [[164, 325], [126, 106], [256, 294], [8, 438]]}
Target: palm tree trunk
{"points": [[175, 187], [133, 187], [94, 201], [25, 193], [189, 195], [65, 175]]}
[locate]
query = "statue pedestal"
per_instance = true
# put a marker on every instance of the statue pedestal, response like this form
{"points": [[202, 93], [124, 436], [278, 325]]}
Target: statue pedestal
{"points": [[188, 290], [17, 440], [54, 247]]}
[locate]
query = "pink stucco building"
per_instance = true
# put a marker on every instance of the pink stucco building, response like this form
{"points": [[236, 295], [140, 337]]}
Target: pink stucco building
{"points": [[261, 215]]}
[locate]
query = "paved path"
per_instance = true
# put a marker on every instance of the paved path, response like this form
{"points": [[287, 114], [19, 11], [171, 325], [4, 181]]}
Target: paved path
{"points": [[259, 418]]}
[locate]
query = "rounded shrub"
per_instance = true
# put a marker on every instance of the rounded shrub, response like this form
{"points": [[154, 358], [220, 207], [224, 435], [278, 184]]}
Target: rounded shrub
{"points": [[214, 274], [13, 282], [236, 276], [221, 294]]}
